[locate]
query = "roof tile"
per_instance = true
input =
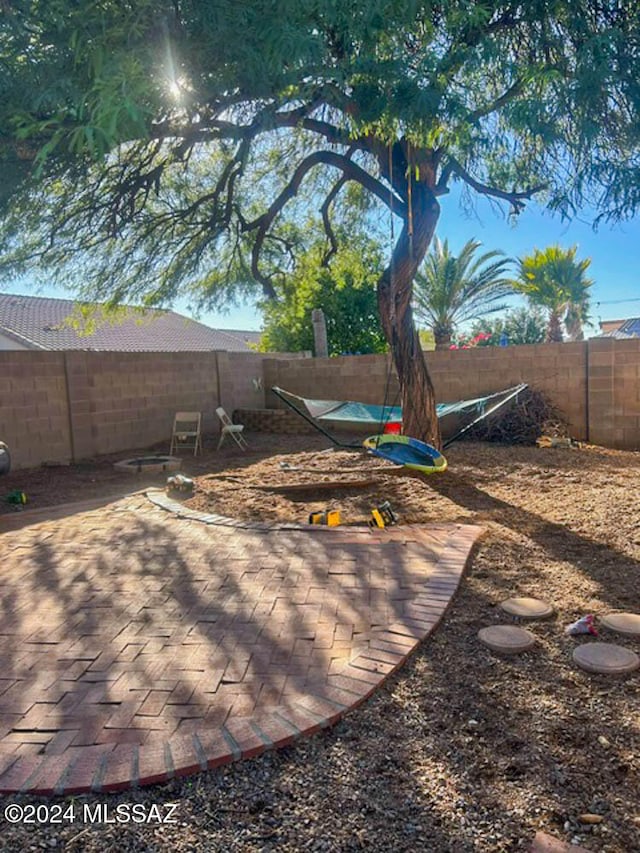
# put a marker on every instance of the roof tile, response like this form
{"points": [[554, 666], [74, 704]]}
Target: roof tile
{"points": [[42, 323]]}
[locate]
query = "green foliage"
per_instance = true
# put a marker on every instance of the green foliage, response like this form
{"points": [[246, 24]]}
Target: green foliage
{"points": [[555, 280], [517, 326], [76, 74], [143, 144], [453, 289], [346, 292]]}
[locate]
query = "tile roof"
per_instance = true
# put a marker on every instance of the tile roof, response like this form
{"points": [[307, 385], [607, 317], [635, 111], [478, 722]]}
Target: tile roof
{"points": [[39, 323]]}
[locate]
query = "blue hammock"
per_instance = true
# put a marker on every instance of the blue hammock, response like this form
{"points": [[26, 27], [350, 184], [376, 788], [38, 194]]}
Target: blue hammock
{"points": [[349, 411]]}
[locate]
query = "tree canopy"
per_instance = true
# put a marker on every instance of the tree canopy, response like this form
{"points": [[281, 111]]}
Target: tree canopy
{"points": [[345, 289], [148, 147]]}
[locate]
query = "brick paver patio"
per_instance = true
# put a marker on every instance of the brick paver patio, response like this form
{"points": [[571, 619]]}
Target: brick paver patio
{"points": [[136, 645]]}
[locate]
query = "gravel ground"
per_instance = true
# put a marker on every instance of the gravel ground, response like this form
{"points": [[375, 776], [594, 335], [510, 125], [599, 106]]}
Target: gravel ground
{"points": [[461, 750]]}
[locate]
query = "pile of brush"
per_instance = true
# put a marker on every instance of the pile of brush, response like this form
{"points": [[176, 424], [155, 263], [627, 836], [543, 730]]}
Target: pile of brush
{"points": [[522, 421]]}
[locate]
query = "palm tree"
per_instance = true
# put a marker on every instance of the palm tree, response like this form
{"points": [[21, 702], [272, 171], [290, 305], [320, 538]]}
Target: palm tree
{"points": [[553, 279], [450, 290]]}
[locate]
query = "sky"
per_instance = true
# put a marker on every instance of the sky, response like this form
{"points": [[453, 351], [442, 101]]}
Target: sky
{"points": [[614, 251]]}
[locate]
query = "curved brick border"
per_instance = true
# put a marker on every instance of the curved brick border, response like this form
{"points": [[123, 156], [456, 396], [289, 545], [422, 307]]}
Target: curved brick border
{"points": [[159, 498], [107, 768]]}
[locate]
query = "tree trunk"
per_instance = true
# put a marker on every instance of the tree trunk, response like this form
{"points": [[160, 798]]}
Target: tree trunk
{"points": [[554, 329], [395, 291], [442, 339], [573, 325]]}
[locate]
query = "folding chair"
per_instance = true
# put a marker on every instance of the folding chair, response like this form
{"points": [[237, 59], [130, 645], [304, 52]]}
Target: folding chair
{"points": [[186, 432], [229, 428], [5, 458]]}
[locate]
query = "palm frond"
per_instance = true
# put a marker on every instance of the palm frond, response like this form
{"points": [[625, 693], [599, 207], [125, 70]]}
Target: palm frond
{"points": [[452, 289]]}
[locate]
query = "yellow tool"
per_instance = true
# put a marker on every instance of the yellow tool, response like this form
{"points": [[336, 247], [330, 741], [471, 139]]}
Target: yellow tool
{"points": [[383, 516], [330, 517]]}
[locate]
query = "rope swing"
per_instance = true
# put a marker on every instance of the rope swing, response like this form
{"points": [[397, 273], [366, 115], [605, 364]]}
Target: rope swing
{"points": [[386, 412], [409, 199]]}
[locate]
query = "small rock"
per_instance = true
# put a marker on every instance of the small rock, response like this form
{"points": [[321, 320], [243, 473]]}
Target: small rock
{"points": [[603, 742], [588, 817]]}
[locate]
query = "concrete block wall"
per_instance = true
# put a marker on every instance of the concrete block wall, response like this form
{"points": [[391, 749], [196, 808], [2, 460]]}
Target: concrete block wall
{"points": [[241, 380], [557, 369], [34, 415], [119, 401], [57, 406], [272, 420], [354, 377], [626, 393], [62, 406], [614, 392]]}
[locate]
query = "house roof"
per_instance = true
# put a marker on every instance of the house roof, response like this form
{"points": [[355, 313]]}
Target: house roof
{"points": [[625, 329], [245, 335], [43, 323]]}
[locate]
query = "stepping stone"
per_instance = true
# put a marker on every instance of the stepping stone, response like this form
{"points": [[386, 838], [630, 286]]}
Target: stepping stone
{"points": [[527, 608], [507, 639], [606, 658], [623, 623], [544, 843]]}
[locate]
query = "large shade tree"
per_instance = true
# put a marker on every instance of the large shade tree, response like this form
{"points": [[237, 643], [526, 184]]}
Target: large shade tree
{"points": [[149, 146]]}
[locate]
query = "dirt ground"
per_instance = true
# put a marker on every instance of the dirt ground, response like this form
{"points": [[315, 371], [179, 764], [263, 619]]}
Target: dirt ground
{"points": [[461, 750]]}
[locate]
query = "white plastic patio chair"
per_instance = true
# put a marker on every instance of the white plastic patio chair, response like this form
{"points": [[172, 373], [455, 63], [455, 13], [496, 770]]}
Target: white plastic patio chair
{"points": [[229, 428], [186, 432]]}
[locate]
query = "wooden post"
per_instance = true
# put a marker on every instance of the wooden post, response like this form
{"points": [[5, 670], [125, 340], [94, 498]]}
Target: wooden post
{"points": [[319, 333]]}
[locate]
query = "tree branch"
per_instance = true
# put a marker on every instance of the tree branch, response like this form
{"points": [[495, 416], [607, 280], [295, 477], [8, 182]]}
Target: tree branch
{"points": [[511, 93], [330, 132], [351, 172], [458, 52], [442, 186], [213, 128], [515, 199], [328, 230]]}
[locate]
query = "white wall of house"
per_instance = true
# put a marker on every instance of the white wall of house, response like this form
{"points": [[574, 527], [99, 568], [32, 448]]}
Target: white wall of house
{"points": [[9, 343]]}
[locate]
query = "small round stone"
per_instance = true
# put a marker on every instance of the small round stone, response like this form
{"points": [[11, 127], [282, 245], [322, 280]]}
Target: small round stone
{"points": [[527, 608], [606, 658], [623, 623], [506, 639]]}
